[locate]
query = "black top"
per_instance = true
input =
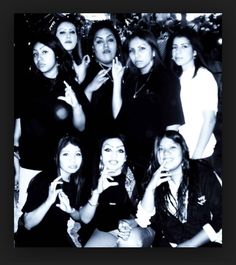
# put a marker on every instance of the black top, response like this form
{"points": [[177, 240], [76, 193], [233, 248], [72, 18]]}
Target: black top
{"points": [[41, 128], [100, 120], [155, 106], [114, 205], [204, 206], [52, 230]]}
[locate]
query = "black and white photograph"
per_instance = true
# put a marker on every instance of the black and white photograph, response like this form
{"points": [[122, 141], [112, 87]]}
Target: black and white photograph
{"points": [[118, 130]]}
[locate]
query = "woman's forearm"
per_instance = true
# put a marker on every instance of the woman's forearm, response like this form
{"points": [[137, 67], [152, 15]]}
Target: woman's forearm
{"points": [[35, 217], [88, 210], [79, 117], [205, 134]]}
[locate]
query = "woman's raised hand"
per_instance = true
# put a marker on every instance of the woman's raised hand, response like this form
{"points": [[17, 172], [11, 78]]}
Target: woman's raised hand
{"points": [[160, 175], [117, 70], [70, 97], [64, 204], [105, 181], [99, 80], [81, 69], [53, 189]]}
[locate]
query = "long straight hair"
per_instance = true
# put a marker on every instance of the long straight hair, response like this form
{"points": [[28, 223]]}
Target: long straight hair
{"points": [[163, 193], [193, 37], [147, 36], [77, 51], [77, 177]]}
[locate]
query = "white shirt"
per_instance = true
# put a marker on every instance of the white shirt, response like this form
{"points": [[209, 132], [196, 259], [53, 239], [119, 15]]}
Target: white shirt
{"points": [[197, 95]]}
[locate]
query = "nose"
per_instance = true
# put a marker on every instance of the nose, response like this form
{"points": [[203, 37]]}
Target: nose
{"points": [[113, 155], [105, 44], [166, 151]]}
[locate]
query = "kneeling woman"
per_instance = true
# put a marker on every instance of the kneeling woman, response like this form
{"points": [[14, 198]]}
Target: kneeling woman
{"points": [[118, 200], [53, 196], [182, 203]]}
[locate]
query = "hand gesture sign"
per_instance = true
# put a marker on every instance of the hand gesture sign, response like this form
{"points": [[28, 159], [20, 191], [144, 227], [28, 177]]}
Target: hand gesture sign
{"points": [[117, 69], [64, 204], [103, 182], [81, 69], [53, 191], [99, 80], [69, 97], [160, 175]]}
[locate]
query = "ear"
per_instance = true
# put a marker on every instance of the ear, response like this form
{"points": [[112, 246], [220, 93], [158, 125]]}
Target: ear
{"points": [[194, 53], [153, 54]]}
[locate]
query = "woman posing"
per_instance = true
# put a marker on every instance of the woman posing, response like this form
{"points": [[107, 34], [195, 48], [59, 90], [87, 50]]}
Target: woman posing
{"points": [[66, 30], [117, 201], [182, 203], [199, 92], [149, 101], [49, 108], [54, 195]]}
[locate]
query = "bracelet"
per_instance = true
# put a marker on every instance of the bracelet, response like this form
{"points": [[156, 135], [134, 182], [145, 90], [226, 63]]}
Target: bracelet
{"points": [[93, 205]]}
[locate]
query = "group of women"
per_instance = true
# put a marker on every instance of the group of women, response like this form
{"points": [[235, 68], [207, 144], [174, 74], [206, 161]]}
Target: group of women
{"points": [[117, 140]]}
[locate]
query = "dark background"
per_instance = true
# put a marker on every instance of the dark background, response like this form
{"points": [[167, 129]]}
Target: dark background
{"points": [[10, 255]]}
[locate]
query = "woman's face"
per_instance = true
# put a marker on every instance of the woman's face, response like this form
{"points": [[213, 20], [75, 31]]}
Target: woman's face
{"points": [[105, 46], [45, 60], [141, 54], [182, 52], [67, 35], [113, 155], [70, 159], [170, 153]]}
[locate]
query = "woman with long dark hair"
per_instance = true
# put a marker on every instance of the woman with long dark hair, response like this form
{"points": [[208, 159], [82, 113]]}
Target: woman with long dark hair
{"points": [[199, 91], [182, 203], [54, 196], [51, 106], [66, 29], [149, 101]]}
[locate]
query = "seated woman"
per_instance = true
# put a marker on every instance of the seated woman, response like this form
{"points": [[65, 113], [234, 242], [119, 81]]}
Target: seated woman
{"points": [[182, 203], [53, 196], [116, 202]]}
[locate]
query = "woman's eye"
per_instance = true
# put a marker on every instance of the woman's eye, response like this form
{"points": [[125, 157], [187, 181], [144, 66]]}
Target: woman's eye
{"points": [[44, 52], [65, 154], [78, 154], [111, 40], [98, 42], [72, 32], [62, 32], [131, 51], [107, 149], [121, 151]]}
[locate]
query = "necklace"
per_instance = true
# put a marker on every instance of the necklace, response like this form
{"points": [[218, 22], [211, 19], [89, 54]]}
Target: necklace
{"points": [[136, 91]]}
